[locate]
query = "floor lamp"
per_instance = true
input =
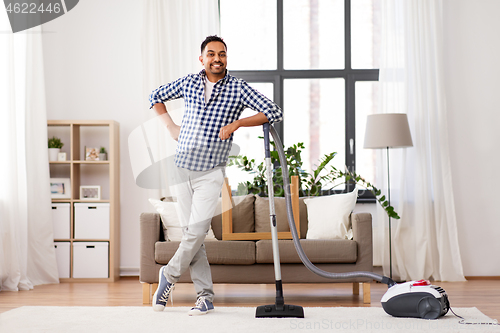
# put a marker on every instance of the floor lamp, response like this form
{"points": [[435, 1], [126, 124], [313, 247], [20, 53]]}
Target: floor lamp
{"points": [[388, 130]]}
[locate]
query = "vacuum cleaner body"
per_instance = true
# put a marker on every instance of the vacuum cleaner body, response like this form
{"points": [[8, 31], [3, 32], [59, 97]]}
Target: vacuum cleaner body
{"points": [[418, 299]]}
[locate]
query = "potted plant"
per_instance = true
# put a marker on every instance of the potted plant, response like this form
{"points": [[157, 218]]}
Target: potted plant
{"points": [[55, 146], [103, 155], [310, 184]]}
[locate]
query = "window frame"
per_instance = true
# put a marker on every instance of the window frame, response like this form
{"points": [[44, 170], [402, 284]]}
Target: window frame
{"points": [[350, 76]]}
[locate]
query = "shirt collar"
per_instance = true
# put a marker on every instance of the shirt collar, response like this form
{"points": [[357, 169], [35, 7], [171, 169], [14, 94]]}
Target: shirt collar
{"points": [[222, 81]]}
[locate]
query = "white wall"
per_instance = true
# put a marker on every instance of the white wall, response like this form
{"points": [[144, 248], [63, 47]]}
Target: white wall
{"points": [[472, 77], [93, 71]]}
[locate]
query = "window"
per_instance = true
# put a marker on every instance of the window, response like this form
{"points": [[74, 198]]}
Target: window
{"points": [[248, 26], [322, 129], [320, 59]]}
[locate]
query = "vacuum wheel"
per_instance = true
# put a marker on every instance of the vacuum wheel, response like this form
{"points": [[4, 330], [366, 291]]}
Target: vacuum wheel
{"points": [[429, 308]]}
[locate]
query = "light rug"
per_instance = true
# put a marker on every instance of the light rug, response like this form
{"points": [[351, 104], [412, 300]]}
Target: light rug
{"points": [[227, 319]]}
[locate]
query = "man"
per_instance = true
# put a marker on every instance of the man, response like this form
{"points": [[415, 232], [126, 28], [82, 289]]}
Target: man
{"points": [[214, 101]]}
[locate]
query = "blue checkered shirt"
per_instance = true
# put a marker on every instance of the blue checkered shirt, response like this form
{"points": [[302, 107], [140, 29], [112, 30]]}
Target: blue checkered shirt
{"points": [[199, 147]]}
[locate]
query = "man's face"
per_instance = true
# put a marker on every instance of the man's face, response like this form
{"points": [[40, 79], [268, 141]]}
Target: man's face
{"points": [[214, 59]]}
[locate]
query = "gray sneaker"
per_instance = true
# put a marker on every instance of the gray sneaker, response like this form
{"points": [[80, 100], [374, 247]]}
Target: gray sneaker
{"points": [[164, 290], [202, 306]]}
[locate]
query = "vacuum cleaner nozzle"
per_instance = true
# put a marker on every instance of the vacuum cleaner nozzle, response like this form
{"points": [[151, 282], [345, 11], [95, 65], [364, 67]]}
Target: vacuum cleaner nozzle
{"points": [[276, 311], [279, 309]]}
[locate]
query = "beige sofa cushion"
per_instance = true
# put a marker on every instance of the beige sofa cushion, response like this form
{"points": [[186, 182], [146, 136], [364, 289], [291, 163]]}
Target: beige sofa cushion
{"points": [[319, 251], [262, 223], [243, 214], [262, 215], [224, 253]]}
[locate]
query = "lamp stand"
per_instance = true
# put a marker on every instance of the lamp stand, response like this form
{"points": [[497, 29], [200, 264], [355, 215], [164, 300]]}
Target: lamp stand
{"points": [[388, 130], [389, 200]]}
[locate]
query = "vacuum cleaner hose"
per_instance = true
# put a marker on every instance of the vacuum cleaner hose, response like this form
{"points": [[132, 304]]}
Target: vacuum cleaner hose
{"points": [[305, 260]]}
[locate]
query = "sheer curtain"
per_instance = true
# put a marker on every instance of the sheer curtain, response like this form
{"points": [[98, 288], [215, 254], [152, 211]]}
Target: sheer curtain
{"points": [[27, 255], [172, 34], [425, 242]]}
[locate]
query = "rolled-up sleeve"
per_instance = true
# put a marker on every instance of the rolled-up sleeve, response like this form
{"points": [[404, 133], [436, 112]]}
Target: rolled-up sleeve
{"points": [[167, 92], [254, 100]]}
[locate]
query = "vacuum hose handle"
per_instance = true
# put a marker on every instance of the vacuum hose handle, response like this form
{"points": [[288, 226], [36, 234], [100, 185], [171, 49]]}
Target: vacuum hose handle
{"points": [[266, 139]]}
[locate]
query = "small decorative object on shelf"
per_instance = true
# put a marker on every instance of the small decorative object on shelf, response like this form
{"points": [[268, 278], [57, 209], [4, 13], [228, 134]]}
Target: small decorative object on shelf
{"points": [[60, 188], [92, 192], [91, 154], [61, 157], [55, 146], [103, 155]]}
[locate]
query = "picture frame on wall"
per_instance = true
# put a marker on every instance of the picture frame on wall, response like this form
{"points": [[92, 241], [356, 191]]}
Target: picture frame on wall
{"points": [[60, 188], [90, 192]]}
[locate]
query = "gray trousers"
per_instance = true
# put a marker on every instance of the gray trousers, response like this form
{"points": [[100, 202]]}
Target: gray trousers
{"points": [[197, 195]]}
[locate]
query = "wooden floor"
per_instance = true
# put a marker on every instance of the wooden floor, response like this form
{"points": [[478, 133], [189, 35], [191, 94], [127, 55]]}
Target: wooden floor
{"points": [[483, 294]]}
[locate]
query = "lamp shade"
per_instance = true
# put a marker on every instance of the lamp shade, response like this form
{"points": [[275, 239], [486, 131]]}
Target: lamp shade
{"points": [[387, 130]]}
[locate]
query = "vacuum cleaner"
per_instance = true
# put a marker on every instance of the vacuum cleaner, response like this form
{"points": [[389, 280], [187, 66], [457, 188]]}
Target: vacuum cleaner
{"points": [[419, 299]]}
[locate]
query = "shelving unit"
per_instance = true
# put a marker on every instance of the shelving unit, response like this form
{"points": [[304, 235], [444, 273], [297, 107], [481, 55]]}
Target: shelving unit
{"points": [[76, 134]]}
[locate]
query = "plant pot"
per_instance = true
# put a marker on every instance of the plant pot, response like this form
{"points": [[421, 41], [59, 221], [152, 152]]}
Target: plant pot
{"points": [[103, 156], [53, 153]]}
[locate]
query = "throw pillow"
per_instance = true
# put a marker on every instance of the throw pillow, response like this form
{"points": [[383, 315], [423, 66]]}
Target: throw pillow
{"points": [[171, 226], [243, 214], [262, 222], [328, 216]]}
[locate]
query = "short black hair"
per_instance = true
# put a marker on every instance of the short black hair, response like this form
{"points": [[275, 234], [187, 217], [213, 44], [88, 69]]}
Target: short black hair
{"points": [[209, 39]]}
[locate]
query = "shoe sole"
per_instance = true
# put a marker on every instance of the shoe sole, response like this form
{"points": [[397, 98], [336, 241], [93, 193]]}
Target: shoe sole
{"points": [[158, 307]]}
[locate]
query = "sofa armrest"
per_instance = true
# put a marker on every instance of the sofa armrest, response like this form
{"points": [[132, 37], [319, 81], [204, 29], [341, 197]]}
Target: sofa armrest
{"points": [[362, 234], [150, 228]]}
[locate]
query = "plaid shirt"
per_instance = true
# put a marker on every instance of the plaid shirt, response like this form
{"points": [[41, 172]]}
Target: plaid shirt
{"points": [[199, 147]]}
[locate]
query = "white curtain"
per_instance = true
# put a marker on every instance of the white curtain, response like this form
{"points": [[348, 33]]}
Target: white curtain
{"points": [[425, 242], [27, 255], [172, 35]]}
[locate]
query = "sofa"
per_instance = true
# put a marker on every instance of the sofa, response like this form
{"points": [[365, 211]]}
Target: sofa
{"points": [[242, 252]]}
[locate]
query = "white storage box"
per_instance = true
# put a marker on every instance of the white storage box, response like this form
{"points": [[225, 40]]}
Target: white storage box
{"points": [[61, 220], [63, 258], [91, 221], [90, 259]]}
